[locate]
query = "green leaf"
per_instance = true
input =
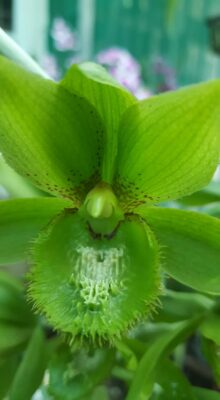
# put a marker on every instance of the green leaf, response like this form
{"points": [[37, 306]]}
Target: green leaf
{"points": [[198, 199], [177, 306], [169, 145], [9, 280], [100, 393], [48, 134], [74, 375], [13, 337], [21, 221], [213, 188], [31, 370], [190, 246], [206, 394], [141, 387], [209, 194], [211, 351], [14, 184], [212, 209], [13, 307], [8, 368], [171, 384], [128, 354], [210, 328], [110, 99]]}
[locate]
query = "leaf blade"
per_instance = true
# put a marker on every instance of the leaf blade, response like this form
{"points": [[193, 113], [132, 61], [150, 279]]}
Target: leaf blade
{"points": [[14, 184], [30, 372], [14, 309], [206, 394], [173, 384], [190, 255], [20, 221], [141, 387], [8, 368]]}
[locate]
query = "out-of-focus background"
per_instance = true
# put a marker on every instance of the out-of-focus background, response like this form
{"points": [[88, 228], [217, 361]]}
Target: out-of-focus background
{"points": [[148, 45]]}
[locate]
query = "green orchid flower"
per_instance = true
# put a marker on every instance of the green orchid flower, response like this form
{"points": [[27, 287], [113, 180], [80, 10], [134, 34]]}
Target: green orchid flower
{"points": [[99, 247]]}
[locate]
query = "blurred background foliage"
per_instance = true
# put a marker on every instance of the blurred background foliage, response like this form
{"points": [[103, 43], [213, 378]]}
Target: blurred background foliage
{"points": [[172, 41]]}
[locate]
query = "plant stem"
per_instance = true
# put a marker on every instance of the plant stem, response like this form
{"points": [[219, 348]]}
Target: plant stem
{"points": [[12, 50]]}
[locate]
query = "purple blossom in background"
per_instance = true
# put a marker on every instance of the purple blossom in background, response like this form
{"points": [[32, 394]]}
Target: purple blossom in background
{"points": [[125, 69], [64, 38], [49, 64], [122, 66], [167, 74], [143, 93]]}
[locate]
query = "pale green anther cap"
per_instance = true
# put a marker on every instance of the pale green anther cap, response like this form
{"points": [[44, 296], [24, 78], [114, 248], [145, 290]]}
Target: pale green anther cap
{"points": [[101, 202]]}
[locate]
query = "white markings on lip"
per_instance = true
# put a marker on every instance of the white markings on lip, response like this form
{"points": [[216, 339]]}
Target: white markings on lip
{"points": [[98, 262], [98, 274]]}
